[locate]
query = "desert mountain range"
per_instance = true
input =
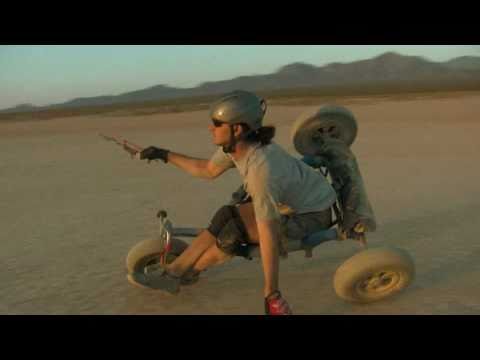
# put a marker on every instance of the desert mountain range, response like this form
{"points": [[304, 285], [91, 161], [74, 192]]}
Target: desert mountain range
{"points": [[389, 69]]}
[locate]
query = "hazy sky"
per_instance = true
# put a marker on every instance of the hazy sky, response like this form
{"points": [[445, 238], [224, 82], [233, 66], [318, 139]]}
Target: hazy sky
{"points": [[43, 75]]}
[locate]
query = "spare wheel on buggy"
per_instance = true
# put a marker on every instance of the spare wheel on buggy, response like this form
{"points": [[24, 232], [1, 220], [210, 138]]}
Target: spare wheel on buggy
{"points": [[328, 121]]}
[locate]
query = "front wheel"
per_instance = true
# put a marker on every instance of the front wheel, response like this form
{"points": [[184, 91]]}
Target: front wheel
{"points": [[147, 254], [374, 274]]}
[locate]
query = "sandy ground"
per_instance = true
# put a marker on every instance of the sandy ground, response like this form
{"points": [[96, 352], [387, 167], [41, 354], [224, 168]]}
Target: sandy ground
{"points": [[72, 205]]}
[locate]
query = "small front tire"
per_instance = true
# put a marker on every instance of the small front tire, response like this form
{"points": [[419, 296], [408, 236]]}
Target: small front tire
{"points": [[147, 252]]}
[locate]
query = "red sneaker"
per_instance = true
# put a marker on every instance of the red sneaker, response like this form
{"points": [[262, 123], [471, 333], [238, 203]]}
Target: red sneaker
{"points": [[275, 304]]}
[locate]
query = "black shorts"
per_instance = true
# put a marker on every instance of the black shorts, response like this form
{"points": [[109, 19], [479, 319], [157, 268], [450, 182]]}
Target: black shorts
{"points": [[234, 240]]}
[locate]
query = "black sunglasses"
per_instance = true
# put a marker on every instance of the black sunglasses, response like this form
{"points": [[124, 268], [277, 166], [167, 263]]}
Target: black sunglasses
{"points": [[218, 123]]}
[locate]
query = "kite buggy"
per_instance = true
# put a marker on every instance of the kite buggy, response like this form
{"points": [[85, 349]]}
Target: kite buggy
{"points": [[323, 137]]}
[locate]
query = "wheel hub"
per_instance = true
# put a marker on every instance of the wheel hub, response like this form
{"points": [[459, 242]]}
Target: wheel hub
{"points": [[312, 128], [378, 282]]}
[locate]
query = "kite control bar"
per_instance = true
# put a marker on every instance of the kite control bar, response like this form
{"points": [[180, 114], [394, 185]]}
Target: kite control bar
{"points": [[128, 146], [131, 148]]}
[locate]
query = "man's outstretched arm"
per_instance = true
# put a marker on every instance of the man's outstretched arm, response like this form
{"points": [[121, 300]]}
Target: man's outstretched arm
{"points": [[197, 167], [201, 168]]}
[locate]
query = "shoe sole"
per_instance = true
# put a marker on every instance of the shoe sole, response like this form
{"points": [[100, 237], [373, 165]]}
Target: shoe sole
{"points": [[135, 283], [139, 285]]}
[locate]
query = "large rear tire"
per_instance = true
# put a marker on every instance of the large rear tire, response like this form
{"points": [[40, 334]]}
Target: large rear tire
{"points": [[374, 274]]}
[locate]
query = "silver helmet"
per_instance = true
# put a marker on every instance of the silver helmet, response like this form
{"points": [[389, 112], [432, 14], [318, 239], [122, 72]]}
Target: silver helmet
{"points": [[240, 107]]}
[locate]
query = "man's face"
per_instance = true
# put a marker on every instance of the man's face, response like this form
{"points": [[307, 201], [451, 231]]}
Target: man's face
{"points": [[220, 132]]}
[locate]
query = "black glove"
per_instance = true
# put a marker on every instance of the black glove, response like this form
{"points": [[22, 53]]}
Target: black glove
{"points": [[152, 153]]}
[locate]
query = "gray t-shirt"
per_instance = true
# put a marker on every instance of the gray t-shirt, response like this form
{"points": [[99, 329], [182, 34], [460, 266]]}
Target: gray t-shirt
{"points": [[273, 177]]}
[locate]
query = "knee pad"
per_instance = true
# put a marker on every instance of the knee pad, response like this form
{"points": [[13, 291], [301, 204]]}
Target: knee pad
{"points": [[229, 231], [232, 239], [221, 218]]}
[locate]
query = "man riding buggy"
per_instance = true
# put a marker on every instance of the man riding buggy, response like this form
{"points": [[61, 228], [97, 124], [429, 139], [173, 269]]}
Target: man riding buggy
{"points": [[283, 200], [272, 178]]}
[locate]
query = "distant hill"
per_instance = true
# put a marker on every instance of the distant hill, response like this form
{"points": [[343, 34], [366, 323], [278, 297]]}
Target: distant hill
{"points": [[464, 63], [389, 69], [21, 108]]}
